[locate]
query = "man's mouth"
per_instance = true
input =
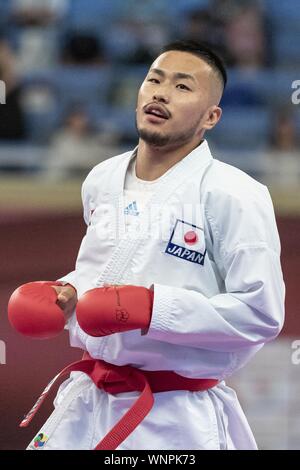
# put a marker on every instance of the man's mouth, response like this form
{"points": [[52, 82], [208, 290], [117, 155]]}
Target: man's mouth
{"points": [[157, 110]]}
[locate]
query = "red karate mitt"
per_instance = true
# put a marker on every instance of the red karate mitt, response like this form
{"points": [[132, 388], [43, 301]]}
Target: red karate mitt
{"points": [[114, 309], [33, 311]]}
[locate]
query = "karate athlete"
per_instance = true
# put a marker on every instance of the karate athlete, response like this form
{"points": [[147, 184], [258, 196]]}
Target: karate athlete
{"points": [[178, 281]]}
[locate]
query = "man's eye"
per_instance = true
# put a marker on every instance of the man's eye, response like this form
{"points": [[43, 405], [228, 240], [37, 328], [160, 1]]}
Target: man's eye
{"points": [[182, 86], [153, 80]]}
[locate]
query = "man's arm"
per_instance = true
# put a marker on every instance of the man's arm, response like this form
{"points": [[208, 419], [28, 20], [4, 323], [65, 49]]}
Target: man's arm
{"points": [[250, 312]]}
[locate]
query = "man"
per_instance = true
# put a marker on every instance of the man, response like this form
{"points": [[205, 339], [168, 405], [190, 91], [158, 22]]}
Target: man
{"points": [[179, 272]]}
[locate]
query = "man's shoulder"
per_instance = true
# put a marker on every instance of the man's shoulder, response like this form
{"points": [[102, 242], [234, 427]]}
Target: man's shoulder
{"points": [[238, 208], [227, 180], [110, 163], [102, 170]]}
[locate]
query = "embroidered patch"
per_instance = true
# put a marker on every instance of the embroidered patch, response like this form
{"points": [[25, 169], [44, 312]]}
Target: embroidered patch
{"points": [[187, 242], [40, 440]]}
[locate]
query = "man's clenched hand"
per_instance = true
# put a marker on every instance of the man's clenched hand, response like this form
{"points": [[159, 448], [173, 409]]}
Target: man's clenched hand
{"points": [[66, 299]]}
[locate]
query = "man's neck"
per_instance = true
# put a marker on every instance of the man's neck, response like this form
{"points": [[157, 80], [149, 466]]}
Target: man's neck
{"points": [[152, 162]]}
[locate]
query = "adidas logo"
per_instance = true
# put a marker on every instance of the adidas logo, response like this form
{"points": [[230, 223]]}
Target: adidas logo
{"points": [[131, 209]]}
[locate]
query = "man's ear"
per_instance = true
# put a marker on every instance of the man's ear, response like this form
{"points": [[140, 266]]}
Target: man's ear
{"points": [[214, 114]]}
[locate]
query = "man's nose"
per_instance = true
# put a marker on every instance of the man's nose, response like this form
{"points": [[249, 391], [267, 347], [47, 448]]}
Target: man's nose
{"points": [[161, 97]]}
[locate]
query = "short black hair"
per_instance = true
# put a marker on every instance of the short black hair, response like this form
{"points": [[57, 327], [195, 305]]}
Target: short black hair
{"points": [[203, 51]]}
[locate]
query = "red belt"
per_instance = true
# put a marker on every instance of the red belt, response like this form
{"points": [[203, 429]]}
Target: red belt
{"points": [[118, 379]]}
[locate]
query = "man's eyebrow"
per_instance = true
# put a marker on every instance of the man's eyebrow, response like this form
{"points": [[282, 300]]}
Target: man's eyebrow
{"points": [[176, 75], [185, 76], [158, 71]]}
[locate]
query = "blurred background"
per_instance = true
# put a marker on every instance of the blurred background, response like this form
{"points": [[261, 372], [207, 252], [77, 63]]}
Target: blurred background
{"points": [[72, 69]]}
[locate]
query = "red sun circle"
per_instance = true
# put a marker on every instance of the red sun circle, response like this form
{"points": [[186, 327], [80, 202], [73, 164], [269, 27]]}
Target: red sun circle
{"points": [[191, 237]]}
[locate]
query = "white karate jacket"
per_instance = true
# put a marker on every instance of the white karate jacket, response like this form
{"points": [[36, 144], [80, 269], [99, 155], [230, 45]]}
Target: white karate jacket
{"points": [[216, 301]]}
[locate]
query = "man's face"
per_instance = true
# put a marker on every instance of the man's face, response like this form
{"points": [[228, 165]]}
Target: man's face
{"points": [[176, 100]]}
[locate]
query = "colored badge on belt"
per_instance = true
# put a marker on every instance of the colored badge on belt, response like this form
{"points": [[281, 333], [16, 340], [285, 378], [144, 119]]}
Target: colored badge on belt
{"points": [[40, 440]]}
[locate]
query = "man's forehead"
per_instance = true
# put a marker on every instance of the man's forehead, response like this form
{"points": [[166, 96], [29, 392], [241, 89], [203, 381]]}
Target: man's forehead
{"points": [[179, 61]]}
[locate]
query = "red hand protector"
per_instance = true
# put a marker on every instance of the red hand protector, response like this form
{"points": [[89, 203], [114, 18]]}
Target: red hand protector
{"points": [[114, 309], [32, 310]]}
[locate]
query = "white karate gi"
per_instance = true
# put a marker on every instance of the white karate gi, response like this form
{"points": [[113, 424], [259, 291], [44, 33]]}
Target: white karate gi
{"points": [[216, 301]]}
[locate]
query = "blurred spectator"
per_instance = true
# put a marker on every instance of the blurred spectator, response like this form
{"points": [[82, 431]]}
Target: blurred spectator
{"points": [[12, 123], [82, 49], [77, 147], [37, 49], [246, 38], [204, 25], [224, 10], [38, 12], [284, 134], [37, 22], [283, 158]]}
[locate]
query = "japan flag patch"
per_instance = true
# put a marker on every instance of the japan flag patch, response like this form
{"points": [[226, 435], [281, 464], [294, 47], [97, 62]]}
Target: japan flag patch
{"points": [[187, 242]]}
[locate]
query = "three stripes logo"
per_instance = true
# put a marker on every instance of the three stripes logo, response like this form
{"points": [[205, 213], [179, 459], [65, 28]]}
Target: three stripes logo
{"points": [[131, 209]]}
